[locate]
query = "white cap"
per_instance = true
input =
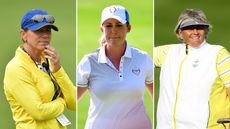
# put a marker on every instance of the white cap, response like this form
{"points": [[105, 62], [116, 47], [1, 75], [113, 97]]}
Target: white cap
{"points": [[117, 12]]}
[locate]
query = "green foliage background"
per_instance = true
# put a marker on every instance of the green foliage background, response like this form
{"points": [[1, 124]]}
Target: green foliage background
{"points": [[64, 41], [167, 12], [141, 36]]}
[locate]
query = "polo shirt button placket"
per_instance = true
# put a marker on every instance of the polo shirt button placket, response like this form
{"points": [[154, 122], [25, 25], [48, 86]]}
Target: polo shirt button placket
{"points": [[120, 70], [120, 76]]}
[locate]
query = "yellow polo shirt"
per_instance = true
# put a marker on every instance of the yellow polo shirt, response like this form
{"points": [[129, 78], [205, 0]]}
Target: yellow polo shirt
{"points": [[29, 92]]}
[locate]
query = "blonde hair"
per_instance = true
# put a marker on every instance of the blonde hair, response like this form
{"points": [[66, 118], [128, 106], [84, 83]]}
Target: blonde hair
{"points": [[102, 40]]}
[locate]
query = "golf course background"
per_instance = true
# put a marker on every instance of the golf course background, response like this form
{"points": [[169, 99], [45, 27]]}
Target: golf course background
{"points": [[64, 41], [141, 36], [167, 13]]}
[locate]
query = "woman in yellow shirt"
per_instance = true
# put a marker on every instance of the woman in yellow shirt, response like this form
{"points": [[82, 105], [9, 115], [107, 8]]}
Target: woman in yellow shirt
{"points": [[36, 86]]}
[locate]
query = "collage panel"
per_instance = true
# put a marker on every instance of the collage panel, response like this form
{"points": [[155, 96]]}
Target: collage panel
{"points": [[30, 37], [111, 94], [191, 56]]}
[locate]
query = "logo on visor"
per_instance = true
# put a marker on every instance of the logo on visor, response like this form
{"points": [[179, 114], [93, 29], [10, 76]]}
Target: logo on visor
{"points": [[136, 71], [112, 9]]}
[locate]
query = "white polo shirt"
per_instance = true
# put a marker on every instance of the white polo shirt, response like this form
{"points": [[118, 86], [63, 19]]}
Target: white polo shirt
{"points": [[116, 96]]}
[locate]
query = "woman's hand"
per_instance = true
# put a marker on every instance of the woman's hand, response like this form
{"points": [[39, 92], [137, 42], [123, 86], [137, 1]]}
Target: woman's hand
{"points": [[51, 54]]}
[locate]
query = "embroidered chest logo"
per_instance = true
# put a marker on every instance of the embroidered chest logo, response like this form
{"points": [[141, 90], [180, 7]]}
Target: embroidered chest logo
{"points": [[136, 71], [195, 63]]}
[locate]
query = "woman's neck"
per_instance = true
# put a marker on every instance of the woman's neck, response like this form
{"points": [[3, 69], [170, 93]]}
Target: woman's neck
{"points": [[34, 54], [115, 53]]}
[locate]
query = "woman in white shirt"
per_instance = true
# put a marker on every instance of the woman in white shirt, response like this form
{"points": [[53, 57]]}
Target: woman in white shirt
{"points": [[194, 81], [116, 75]]}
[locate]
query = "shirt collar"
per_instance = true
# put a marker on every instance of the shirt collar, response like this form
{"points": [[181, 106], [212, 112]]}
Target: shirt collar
{"points": [[102, 56], [22, 54], [199, 47]]}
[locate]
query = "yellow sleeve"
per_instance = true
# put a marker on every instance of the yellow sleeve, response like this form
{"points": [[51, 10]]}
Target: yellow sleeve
{"points": [[18, 83], [160, 53], [219, 101], [223, 66], [67, 88]]}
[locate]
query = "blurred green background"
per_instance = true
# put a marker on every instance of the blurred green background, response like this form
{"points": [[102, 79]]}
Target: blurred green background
{"points": [[167, 13], [141, 36], [64, 41]]}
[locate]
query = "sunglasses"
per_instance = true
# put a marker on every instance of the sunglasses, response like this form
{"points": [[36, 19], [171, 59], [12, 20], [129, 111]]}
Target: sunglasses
{"points": [[40, 18]]}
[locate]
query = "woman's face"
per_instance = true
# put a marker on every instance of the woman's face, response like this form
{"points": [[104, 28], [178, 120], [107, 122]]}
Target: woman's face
{"points": [[114, 31], [192, 35], [39, 39]]}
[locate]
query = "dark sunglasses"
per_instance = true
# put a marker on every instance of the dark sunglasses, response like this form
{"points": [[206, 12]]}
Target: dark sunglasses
{"points": [[40, 18]]}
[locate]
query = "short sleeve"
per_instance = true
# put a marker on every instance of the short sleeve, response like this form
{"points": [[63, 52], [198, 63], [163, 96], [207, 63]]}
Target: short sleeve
{"points": [[83, 72], [150, 70]]}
